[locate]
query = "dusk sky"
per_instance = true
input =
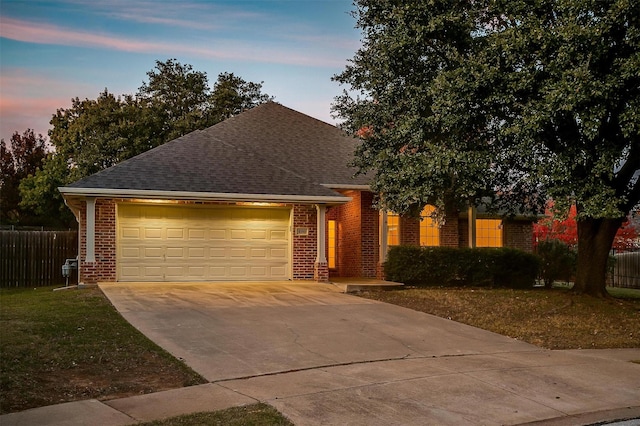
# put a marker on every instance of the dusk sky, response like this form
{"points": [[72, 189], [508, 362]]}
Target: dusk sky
{"points": [[52, 51]]}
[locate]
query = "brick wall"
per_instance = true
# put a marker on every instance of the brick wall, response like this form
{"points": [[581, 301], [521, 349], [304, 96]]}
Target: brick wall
{"points": [[409, 231], [450, 231], [358, 236], [518, 235], [104, 267], [349, 245], [304, 246], [370, 236]]}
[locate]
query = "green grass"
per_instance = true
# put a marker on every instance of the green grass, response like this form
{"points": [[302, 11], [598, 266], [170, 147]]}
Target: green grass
{"points": [[624, 293], [250, 415], [70, 345]]}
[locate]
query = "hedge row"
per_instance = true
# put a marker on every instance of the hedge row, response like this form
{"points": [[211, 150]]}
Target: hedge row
{"points": [[425, 266]]}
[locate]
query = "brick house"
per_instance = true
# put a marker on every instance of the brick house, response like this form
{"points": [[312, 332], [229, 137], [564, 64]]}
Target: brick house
{"points": [[266, 195]]}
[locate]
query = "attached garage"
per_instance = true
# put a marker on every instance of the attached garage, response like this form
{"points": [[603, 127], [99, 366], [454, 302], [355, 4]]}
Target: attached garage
{"points": [[202, 243]]}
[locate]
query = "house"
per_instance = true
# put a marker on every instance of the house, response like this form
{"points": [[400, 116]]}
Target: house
{"points": [[265, 195]]}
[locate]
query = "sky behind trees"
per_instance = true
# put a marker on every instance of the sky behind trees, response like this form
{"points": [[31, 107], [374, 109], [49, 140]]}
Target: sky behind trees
{"points": [[52, 51]]}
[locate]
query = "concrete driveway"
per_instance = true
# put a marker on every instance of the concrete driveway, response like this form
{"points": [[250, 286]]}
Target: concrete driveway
{"points": [[323, 357]]}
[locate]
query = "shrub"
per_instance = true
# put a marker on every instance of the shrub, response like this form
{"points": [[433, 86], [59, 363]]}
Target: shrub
{"points": [[501, 267], [558, 261]]}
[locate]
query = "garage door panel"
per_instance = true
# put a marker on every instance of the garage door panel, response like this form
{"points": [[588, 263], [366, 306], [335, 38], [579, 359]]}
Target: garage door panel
{"points": [[239, 234], [196, 252], [240, 252], [258, 234], [278, 235], [153, 252], [177, 243], [278, 253], [131, 253], [156, 272], [130, 232], [218, 234], [175, 272], [258, 253], [217, 252], [276, 271], [197, 234], [175, 233], [153, 233]]}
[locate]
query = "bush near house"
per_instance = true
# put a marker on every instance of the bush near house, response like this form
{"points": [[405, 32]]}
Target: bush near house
{"points": [[429, 266], [558, 261]]}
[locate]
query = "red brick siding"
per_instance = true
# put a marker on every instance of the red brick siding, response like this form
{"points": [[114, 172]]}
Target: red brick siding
{"points": [[349, 236], [321, 272], [449, 231], [517, 234], [304, 246], [358, 236], [409, 231], [104, 268], [370, 236]]}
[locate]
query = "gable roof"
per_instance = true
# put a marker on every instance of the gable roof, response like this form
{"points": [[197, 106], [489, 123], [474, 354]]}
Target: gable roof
{"points": [[267, 151]]}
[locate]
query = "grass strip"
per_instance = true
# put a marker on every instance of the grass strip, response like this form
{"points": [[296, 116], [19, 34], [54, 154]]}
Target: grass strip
{"points": [[249, 415]]}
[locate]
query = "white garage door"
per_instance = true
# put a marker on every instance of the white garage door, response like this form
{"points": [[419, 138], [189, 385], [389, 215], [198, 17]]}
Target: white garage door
{"points": [[180, 243]]}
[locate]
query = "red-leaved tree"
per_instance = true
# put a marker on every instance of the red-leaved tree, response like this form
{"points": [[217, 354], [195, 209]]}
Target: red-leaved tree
{"points": [[566, 230]]}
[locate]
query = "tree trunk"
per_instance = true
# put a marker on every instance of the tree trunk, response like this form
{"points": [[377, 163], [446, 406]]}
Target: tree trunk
{"points": [[595, 238]]}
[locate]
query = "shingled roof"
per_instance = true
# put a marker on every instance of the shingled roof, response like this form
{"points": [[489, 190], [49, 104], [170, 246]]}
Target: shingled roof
{"points": [[267, 150]]}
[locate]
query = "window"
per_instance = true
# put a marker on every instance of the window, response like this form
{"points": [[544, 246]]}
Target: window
{"points": [[331, 244], [429, 230], [488, 233], [393, 229]]}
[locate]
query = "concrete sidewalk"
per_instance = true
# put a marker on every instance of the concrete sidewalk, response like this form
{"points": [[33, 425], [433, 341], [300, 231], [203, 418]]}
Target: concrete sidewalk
{"points": [[541, 387]]}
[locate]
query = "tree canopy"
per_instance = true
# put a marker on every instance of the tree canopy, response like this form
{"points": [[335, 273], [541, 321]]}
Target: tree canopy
{"points": [[502, 102], [94, 134], [19, 158]]}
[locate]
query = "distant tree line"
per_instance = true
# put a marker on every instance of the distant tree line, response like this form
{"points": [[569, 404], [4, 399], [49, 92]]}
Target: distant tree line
{"points": [[94, 134]]}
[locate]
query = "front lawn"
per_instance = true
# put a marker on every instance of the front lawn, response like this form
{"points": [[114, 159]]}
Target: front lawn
{"points": [[70, 345], [553, 319]]}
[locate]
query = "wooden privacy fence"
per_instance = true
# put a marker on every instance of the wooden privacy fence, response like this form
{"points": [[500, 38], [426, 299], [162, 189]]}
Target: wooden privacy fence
{"points": [[626, 271], [35, 258]]}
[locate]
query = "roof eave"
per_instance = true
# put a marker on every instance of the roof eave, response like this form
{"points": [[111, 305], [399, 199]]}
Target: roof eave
{"points": [[347, 186], [200, 196]]}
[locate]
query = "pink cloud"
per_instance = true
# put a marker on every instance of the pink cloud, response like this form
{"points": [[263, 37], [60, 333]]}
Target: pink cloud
{"points": [[31, 32], [20, 114], [23, 104]]}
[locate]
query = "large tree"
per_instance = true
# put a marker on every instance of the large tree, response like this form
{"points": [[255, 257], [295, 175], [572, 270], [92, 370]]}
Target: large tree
{"points": [[178, 97], [231, 95], [508, 102], [21, 157]]}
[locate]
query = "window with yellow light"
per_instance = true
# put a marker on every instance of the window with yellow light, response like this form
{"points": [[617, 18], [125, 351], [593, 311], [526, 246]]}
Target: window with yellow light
{"points": [[429, 229], [488, 233]]}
